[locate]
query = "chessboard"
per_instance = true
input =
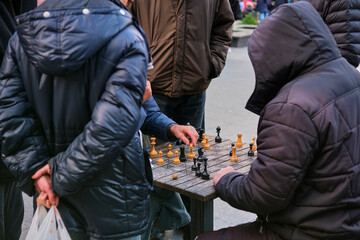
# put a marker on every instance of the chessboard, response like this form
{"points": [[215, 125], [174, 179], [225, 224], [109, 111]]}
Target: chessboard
{"points": [[182, 179]]}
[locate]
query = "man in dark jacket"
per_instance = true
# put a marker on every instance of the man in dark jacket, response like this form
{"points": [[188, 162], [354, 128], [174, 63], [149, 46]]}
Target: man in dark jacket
{"points": [[189, 41], [71, 97], [11, 203], [304, 183], [342, 18]]}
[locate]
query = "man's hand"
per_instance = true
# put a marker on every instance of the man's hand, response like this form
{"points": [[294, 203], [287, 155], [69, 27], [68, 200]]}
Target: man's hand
{"points": [[42, 184], [182, 132], [221, 173], [148, 91]]}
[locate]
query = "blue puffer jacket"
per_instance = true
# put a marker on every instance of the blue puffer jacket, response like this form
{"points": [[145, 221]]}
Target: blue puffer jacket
{"points": [[71, 90]]}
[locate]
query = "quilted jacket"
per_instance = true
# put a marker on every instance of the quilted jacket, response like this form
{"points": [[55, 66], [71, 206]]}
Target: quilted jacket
{"points": [[189, 41], [343, 19], [304, 182], [71, 90]]}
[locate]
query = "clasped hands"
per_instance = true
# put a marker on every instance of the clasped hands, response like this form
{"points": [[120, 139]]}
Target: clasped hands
{"points": [[42, 183]]}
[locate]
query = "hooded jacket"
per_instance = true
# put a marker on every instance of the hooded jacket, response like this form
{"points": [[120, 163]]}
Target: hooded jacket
{"points": [[304, 182], [189, 41], [343, 19], [71, 89]]}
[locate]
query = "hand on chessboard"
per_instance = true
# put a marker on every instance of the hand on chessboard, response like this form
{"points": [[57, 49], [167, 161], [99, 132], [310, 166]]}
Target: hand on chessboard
{"points": [[221, 173], [183, 132]]}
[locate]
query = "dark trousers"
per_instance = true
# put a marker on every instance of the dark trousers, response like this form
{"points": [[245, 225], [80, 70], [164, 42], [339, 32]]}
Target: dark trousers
{"points": [[185, 109], [254, 230], [11, 211]]}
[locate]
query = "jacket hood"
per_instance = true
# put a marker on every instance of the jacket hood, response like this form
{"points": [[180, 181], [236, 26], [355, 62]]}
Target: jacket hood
{"points": [[59, 36], [291, 41]]}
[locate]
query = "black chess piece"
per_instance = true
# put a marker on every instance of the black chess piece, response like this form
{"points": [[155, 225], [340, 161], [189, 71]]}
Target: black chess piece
{"points": [[201, 154], [251, 152], [200, 131], [205, 175], [182, 154], [198, 172], [231, 152], [179, 142], [218, 138], [194, 167]]}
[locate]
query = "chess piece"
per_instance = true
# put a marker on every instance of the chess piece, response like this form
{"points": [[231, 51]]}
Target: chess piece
{"points": [[251, 152], [182, 154], [253, 142], [170, 154], [218, 138], [160, 161], [205, 175], [174, 176], [198, 172], [233, 156], [201, 154], [231, 151], [239, 143], [201, 132], [153, 152], [203, 142], [176, 159], [194, 167], [207, 145], [191, 154]]}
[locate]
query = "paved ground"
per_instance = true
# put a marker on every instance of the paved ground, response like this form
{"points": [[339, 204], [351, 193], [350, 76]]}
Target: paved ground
{"points": [[226, 98]]}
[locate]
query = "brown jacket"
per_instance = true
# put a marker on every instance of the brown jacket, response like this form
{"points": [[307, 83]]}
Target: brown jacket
{"points": [[188, 39]]}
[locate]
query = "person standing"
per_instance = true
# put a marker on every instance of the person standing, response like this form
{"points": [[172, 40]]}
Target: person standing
{"points": [[342, 19], [261, 8], [72, 85], [189, 42], [303, 184], [11, 202]]}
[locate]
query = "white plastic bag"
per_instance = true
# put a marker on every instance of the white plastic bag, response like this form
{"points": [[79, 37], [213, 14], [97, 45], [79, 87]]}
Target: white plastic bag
{"points": [[47, 225]]}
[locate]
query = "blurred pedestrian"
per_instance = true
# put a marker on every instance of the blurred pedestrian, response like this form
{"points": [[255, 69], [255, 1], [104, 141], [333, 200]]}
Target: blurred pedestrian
{"points": [[308, 98], [261, 8]]}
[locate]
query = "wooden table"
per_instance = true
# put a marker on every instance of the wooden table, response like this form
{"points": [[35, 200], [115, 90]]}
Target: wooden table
{"points": [[200, 192]]}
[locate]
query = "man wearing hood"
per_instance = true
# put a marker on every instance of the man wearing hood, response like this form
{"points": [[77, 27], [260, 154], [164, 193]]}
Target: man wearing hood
{"points": [[72, 87], [304, 182]]}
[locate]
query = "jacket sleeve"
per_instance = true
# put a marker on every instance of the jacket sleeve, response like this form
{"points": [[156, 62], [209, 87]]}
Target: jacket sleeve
{"points": [[221, 36], [23, 147], [286, 143], [156, 122], [115, 119]]}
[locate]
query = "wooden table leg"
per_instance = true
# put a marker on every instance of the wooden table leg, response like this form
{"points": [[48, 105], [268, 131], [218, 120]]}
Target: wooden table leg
{"points": [[202, 217]]}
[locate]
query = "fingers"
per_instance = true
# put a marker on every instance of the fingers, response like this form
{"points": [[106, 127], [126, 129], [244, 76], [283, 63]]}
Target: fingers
{"points": [[221, 173], [43, 184], [42, 198], [42, 171]]}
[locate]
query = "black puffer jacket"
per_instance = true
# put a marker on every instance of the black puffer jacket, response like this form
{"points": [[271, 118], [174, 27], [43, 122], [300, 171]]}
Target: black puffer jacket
{"points": [[343, 20], [304, 182], [71, 90]]}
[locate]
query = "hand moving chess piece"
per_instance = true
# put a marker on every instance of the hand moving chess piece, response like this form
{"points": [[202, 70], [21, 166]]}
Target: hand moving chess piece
{"points": [[160, 161], [205, 175], [191, 154], [207, 145], [233, 157], [176, 159], [218, 138], [170, 154], [251, 152], [182, 154], [239, 143], [153, 152], [253, 142], [203, 142]]}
